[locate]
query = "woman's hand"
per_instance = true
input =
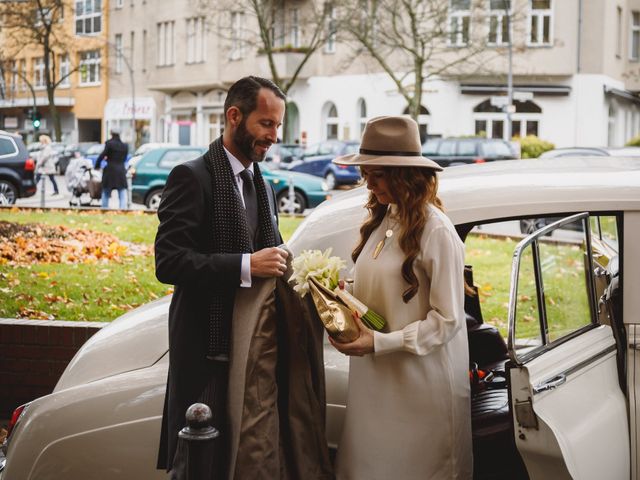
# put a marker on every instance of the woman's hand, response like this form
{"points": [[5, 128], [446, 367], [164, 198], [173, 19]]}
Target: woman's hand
{"points": [[361, 345]]}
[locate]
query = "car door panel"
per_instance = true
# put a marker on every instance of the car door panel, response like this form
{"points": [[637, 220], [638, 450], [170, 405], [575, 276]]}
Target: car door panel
{"points": [[570, 415]]}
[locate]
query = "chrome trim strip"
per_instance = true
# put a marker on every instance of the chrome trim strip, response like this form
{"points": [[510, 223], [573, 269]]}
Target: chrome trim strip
{"points": [[540, 387]]}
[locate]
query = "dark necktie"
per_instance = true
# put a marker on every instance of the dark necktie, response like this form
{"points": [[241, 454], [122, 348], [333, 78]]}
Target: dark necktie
{"points": [[250, 200]]}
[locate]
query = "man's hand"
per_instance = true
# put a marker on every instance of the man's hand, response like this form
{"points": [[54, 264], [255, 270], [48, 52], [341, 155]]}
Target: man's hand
{"points": [[269, 262]]}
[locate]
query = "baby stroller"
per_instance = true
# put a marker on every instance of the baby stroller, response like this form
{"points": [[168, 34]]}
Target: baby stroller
{"points": [[84, 183]]}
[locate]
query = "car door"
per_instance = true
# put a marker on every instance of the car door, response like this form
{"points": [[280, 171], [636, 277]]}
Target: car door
{"points": [[569, 412]]}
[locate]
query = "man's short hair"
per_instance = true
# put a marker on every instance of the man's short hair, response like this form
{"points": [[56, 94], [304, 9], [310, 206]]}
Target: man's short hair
{"points": [[244, 94]]}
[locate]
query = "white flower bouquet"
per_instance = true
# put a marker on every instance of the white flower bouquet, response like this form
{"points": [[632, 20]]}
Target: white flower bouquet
{"points": [[318, 273]]}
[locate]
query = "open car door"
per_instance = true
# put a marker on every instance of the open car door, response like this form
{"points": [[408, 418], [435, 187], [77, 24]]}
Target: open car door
{"points": [[569, 413]]}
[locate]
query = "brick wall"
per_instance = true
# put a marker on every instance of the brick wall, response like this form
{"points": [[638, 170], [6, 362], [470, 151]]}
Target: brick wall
{"points": [[33, 355]]}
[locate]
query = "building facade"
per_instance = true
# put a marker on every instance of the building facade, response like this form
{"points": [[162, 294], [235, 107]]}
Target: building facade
{"points": [[575, 73], [79, 53]]}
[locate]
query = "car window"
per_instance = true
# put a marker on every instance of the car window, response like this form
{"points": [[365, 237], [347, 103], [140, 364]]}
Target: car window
{"points": [[496, 149], [430, 147], [327, 148], [351, 148], [447, 148], [563, 261], [311, 150], [7, 146], [467, 148], [172, 158]]}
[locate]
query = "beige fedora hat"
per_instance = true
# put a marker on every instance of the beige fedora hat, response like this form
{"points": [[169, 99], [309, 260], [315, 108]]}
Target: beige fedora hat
{"points": [[390, 142]]}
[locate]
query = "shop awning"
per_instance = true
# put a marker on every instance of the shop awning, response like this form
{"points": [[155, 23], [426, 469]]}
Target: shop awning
{"points": [[622, 94], [494, 89]]}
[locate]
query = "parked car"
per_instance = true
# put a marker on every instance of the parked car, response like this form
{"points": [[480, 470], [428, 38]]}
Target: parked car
{"points": [[308, 191], [147, 147], [150, 172], [16, 169], [563, 412], [448, 152], [316, 160], [592, 152], [283, 153]]}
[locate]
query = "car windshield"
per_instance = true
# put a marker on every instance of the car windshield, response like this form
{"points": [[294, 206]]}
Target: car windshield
{"points": [[497, 149]]}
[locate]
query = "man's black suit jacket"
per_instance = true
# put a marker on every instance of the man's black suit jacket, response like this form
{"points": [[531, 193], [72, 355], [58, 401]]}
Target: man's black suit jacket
{"points": [[184, 258]]}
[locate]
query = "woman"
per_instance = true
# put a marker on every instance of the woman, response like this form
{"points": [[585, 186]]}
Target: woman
{"points": [[46, 164], [408, 408]]}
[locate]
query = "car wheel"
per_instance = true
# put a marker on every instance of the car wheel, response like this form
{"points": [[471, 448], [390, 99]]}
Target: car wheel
{"points": [[153, 199], [8, 193], [284, 203], [330, 178], [530, 225]]}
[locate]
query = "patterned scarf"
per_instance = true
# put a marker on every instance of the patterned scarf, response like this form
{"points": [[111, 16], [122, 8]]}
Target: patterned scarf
{"points": [[231, 235]]}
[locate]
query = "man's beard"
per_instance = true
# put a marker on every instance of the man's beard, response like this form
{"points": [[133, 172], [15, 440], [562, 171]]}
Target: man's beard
{"points": [[245, 143]]}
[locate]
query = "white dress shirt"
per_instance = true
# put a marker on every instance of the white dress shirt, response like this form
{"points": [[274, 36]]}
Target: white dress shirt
{"points": [[238, 167]]}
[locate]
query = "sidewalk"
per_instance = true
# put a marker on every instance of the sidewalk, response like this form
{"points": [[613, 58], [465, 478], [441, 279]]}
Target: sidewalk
{"points": [[62, 200]]}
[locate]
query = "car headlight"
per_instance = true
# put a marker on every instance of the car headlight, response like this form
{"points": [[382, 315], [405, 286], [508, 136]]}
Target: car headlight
{"points": [[325, 187]]}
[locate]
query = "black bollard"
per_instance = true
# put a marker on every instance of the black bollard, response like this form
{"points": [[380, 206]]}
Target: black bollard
{"points": [[198, 440]]}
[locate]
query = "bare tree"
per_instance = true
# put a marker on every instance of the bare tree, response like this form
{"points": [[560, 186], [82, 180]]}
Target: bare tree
{"points": [[37, 25], [413, 41], [287, 33]]}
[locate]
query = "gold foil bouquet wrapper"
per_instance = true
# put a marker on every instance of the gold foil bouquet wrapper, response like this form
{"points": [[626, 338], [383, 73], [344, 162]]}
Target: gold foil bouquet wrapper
{"points": [[317, 273]]}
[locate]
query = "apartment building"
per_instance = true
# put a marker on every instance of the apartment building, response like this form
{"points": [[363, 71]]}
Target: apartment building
{"points": [[575, 71], [80, 61]]}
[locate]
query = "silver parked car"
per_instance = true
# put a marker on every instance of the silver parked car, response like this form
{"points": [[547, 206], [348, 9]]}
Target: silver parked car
{"points": [[552, 336]]}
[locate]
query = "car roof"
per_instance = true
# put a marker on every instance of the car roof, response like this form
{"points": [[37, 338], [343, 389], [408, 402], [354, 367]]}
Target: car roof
{"points": [[501, 190]]}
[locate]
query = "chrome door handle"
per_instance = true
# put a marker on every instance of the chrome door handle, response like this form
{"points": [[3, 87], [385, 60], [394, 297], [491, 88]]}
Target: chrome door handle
{"points": [[550, 384]]}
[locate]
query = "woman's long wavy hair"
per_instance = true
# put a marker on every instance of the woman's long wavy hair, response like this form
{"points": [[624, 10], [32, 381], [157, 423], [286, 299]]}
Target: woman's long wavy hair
{"points": [[412, 188]]}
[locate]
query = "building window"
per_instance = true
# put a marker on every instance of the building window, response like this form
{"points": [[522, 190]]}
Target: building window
{"points": [[195, 40], [295, 28], [362, 115], [499, 15], [216, 126], [634, 48], [13, 85], [88, 17], [23, 71], [166, 44], [619, 30], [38, 73], [118, 42], [64, 71], [119, 3], [540, 24], [330, 45], [331, 121], [90, 68], [491, 121], [237, 35], [144, 50], [459, 17], [423, 121]]}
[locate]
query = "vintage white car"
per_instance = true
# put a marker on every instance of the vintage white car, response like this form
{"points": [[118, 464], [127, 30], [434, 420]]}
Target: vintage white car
{"points": [[552, 336]]}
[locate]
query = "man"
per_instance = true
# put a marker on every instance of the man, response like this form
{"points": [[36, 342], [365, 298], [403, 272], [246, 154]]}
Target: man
{"points": [[217, 237], [115, 175]]}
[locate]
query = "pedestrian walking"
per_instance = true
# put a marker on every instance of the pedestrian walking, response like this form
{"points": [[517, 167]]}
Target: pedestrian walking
{"points": [[46, 163], [114, 176]]}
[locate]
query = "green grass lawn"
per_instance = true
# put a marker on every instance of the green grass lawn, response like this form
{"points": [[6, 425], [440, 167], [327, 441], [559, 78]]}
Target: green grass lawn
{"points": [[96, 291]]}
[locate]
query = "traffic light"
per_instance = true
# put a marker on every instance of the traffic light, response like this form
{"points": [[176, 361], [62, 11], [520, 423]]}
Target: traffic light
{"points": [[35, 120]]}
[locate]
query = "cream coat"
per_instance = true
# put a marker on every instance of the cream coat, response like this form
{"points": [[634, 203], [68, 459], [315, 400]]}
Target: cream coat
{"points": [[408, 407], [46, 164]]}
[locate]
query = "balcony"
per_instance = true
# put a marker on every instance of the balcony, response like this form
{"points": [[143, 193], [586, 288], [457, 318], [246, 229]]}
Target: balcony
{"points": [[287, 59]]}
